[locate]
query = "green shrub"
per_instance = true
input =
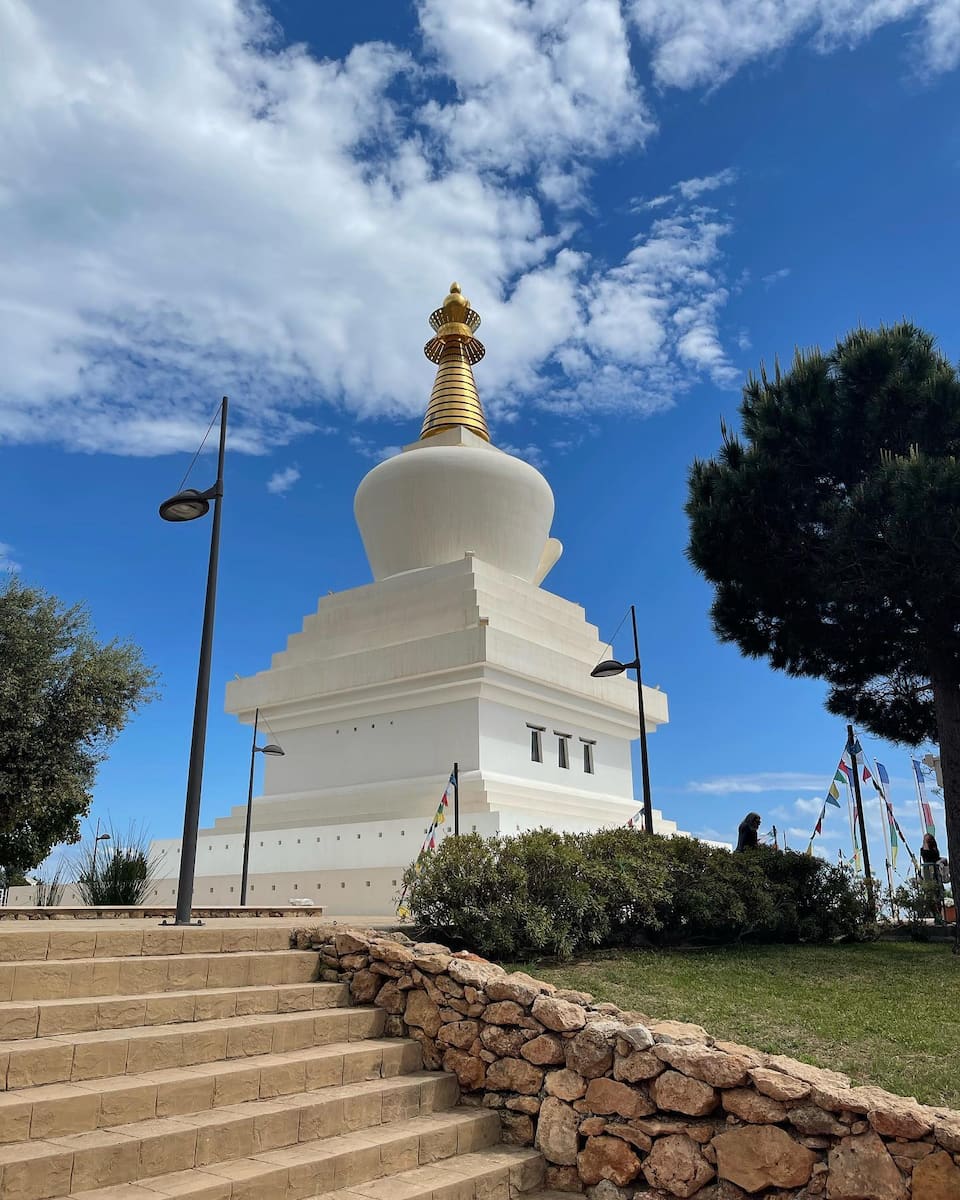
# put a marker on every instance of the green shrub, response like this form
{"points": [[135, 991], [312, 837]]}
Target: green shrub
{"points": [[559, 894], [117, 870]]}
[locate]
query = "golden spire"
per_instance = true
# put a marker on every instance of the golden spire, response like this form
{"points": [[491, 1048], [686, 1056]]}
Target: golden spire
{"points": [[454, 400]]}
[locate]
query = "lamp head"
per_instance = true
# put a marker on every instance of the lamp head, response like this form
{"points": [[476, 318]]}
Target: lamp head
{"points": [[102, 837], [185, 506], [272, 748], [607, 669]]}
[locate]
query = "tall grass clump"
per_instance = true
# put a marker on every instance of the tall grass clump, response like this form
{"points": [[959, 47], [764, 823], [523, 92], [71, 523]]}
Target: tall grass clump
{"points": [[116, 871]]}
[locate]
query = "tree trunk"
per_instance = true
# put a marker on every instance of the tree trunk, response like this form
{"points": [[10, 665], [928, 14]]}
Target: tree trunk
{"points": [[946, 701]]}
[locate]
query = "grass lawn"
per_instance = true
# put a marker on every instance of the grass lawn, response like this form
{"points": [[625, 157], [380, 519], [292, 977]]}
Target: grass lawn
{"points": [[886, 1013]]}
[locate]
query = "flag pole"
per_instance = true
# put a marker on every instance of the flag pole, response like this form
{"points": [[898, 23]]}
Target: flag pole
{"points": [[456, 799], [855, 849], [853, 747], [886, 844], [884, 825], [919, 790]]}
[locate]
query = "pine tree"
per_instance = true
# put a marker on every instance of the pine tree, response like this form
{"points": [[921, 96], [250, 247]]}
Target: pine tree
{"points": [[830, 529]]}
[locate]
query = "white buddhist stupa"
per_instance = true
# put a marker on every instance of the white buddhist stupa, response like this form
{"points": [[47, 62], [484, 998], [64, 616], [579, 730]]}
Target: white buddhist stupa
{"points": [[454, 653]]}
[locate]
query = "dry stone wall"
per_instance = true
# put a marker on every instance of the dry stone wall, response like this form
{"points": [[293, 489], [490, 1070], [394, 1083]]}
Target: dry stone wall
{"points": [[624, 1107]]}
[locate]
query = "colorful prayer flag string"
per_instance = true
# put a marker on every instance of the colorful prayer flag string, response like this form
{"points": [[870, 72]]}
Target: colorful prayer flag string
{"points": [[832, 798], [429, 841]]}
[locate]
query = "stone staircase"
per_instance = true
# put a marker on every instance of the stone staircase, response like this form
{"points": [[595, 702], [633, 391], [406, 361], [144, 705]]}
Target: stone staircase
{"points": [[208, 1063]]}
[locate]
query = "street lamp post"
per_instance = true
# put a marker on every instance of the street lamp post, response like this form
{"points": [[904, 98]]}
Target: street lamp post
{"points": [[98, 837], [187, 506], [605, 670], [272, 748]]}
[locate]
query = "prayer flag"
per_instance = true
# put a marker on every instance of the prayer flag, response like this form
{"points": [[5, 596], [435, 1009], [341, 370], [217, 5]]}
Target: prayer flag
{"points": [[922, 794], [894, 840], [882, 772], [833, 795]]}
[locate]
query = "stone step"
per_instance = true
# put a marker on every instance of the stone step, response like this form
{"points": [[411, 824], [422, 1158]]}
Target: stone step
{"points": [[498, 1173], [317, 1168], [85, 978], [135, 1152], [96, 1055], [21, 1019], [58, 1109], [71, 940]]}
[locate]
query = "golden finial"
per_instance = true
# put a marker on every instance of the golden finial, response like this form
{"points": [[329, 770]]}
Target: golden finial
{"points": [[454, 400]]}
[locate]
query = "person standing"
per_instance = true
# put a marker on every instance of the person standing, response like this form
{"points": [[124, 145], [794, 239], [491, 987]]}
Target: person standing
{"points": [[748, 832], [932, 875]]}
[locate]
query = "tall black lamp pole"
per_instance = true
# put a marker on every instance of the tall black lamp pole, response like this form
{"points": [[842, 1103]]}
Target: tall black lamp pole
{"points": [[254, 750], [605, 670], [187, 506]]}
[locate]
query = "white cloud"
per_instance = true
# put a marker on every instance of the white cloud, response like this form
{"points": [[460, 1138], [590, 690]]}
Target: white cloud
{"points": [[369, 449], [704, 42], [690, 189], [761, 781], [530, 453], [776, 276], [193, 208], [548, 81], [7, 561], [638, 204], [810, 805], [280, 482]]}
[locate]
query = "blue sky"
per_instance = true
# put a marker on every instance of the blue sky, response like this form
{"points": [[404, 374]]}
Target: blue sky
{"points": [[643, 200]]}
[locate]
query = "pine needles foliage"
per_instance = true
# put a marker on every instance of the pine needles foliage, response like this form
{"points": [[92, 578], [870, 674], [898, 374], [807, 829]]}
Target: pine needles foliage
{"points": [[829, 528]]}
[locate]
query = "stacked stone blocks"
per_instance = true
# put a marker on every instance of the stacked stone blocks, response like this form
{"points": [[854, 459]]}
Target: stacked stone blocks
{"points": [[622, 1106]]}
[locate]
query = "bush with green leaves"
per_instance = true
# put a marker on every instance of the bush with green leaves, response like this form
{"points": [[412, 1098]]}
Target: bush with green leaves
{"points": [[561, 894]]}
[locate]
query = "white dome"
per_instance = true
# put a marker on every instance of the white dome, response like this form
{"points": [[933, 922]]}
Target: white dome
{"points": [[451, 495]]}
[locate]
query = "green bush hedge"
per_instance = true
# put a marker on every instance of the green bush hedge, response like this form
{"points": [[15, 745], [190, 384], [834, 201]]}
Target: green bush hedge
{"points": [[560, 894]]}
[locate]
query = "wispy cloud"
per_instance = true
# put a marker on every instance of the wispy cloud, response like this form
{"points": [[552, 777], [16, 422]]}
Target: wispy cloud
{"points": [[368, 449], [639, 204], [755, 784], [530, 453], [280, 482], [691, 189], [7, 561], [775, 276]]}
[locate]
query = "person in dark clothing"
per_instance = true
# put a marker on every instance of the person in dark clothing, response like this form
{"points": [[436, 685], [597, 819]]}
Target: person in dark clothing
{"points": [[932, 876], [929, 851], [747, 832]]}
